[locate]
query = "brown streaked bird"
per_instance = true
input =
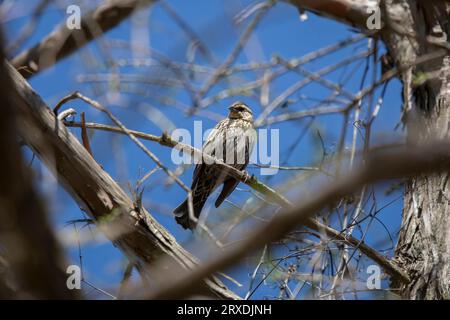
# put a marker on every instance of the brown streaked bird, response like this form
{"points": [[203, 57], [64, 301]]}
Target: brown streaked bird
{"points": [[232, 141]]}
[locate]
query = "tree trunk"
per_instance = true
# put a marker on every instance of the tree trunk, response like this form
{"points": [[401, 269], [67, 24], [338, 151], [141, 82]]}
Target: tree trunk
{"points": [[31, 260], [423, 248]]}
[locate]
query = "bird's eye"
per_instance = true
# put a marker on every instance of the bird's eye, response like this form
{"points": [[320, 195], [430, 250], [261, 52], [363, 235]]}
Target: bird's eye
{"points": [[240, 109]]}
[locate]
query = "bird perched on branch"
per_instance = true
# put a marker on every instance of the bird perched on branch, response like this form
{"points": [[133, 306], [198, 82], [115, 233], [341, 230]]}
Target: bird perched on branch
{"points": [[232, 141]]}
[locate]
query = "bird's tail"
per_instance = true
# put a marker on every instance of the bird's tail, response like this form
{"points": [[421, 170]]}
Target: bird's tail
{"points": [[182, 213]]}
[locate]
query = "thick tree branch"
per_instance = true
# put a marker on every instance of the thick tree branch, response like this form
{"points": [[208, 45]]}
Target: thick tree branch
{"points": [[272, 195], [384, 163], [31, 261], [64, 41], [351, 12], [134, 231]]}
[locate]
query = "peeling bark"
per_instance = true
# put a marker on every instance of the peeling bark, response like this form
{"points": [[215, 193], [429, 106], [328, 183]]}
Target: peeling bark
{"points": [[134, 231], [412, 28], [31, 260]]}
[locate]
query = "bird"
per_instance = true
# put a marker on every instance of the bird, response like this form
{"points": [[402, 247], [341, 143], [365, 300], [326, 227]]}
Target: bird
{"points": [[232, 140]]}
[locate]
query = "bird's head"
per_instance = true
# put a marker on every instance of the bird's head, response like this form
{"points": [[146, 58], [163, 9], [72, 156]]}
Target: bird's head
{"points": [[240, 110]]}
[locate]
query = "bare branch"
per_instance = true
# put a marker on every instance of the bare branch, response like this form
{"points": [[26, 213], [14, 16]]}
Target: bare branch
{"points": [[140, 237], [267, 191], [383, 163], [63, 41], [351, 12]]}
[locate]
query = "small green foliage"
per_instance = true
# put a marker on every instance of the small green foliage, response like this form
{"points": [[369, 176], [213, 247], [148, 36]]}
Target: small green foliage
{"points": [[420, 78], [110, 217]]}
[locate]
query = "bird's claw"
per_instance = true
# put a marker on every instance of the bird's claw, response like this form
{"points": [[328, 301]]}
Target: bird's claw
{"points": [[247, 177]]}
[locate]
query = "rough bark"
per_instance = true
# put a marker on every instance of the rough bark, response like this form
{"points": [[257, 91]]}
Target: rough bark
{"points": [[424, 242], [383, 163], [134, 231], [423, 248], [31, 260]]}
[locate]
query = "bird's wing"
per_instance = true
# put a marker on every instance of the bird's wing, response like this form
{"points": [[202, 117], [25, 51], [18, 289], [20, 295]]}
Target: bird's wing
{"points": [[213, 138], [197, 174], [251, 141], [228, 187], [208, 148], [240, 142], [230, 184]]}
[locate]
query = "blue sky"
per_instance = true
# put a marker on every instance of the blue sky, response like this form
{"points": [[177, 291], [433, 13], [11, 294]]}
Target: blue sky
{"points": [[280, 33]]}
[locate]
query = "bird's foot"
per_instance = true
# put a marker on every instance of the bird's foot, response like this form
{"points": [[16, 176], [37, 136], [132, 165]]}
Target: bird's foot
{"points": [[247, 177]]}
